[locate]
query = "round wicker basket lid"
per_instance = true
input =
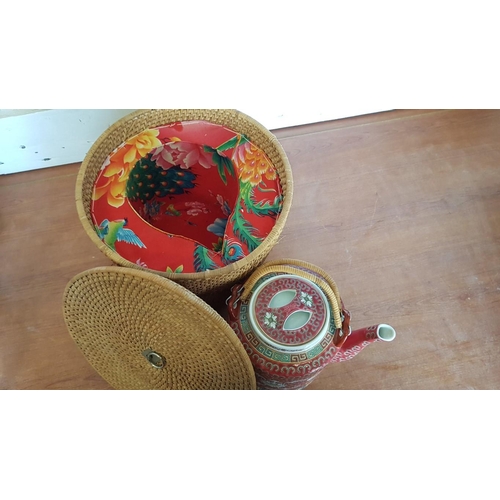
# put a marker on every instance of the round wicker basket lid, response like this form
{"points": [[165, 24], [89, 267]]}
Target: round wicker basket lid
{"points": [[142, 331]]}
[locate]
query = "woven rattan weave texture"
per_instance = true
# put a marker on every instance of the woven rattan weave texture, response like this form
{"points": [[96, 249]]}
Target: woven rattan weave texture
{"points": [[115, 314], [127, 127]]}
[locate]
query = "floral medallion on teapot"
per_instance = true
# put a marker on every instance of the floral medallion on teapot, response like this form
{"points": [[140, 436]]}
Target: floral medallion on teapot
{"points": [[289, 311]]}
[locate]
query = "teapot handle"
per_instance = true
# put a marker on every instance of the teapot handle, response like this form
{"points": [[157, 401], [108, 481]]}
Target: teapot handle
{"points": [[341, 334], [234, 302]]}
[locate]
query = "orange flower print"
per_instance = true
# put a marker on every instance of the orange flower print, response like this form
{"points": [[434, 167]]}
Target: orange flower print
{"points": [[253, 164], [113, 181], [141, 145]]}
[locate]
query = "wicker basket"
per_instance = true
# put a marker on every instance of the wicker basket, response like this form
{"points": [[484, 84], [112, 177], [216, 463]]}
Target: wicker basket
{"points": [[202, 282]]}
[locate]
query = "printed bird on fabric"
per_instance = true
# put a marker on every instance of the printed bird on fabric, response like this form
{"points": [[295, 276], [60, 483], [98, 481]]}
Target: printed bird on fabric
{"points": [[112, 231]]}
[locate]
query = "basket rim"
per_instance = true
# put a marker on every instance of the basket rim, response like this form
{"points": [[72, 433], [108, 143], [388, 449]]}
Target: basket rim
{"points": [[223, 271]]}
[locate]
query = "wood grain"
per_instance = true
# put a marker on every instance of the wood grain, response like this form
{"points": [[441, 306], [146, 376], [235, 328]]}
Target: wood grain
{"points": [[401, 208]]}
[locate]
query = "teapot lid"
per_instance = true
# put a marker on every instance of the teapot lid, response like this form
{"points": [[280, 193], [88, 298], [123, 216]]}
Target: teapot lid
{"points": [[289, 312], [141, 331]]}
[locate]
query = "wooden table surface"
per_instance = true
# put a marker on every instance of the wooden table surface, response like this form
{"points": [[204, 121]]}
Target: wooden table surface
{"points": [[402, 209]]}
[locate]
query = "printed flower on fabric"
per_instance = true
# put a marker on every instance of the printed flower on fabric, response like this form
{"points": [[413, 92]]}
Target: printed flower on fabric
{"points": [[226, 209], [117, 167], [141, 145], [270, 320], [151, 210], [196, 208], [218, 227], [306, 299], [182, 154], [252, 164]]}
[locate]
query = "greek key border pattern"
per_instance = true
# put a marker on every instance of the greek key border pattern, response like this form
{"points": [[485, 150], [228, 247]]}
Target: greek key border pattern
{"points": [[277, 355]]}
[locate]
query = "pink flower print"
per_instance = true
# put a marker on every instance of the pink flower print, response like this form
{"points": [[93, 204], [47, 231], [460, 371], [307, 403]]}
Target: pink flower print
{"points": [[182, 154], [196, 208], [140, 263], [190, 154], [163, 156]]}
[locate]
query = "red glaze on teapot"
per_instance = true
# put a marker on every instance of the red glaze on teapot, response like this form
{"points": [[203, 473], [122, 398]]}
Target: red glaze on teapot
{"points": [[287, 328]]}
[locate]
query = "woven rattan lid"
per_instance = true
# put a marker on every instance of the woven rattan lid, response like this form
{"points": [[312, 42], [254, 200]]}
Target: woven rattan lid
{"points": [[142, 331]]}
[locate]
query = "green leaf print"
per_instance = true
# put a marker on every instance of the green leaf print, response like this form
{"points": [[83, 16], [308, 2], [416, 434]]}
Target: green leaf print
{"points": [[202, 260], [223, 163], [265, 208], [261, 208], [245, 231], [237, 140], [178, 270]]}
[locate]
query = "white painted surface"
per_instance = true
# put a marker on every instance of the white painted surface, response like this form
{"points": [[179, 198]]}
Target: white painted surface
{"points": [[33, 139], [52, 137], [5, 113]]}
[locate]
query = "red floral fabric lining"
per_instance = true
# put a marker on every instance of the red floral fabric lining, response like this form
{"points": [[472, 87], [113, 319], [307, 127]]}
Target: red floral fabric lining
{"points": [[186, 197]]}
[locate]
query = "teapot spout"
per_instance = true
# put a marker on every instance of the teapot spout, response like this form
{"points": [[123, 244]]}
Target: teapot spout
{"points": [[359, 339]]}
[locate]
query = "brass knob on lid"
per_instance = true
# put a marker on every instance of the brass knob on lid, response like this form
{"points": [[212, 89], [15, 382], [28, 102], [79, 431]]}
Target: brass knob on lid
{"points": [[155, 360]]}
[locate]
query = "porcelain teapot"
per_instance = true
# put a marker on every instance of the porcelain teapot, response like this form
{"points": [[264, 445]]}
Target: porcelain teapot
{"points": [[292, 323]]}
